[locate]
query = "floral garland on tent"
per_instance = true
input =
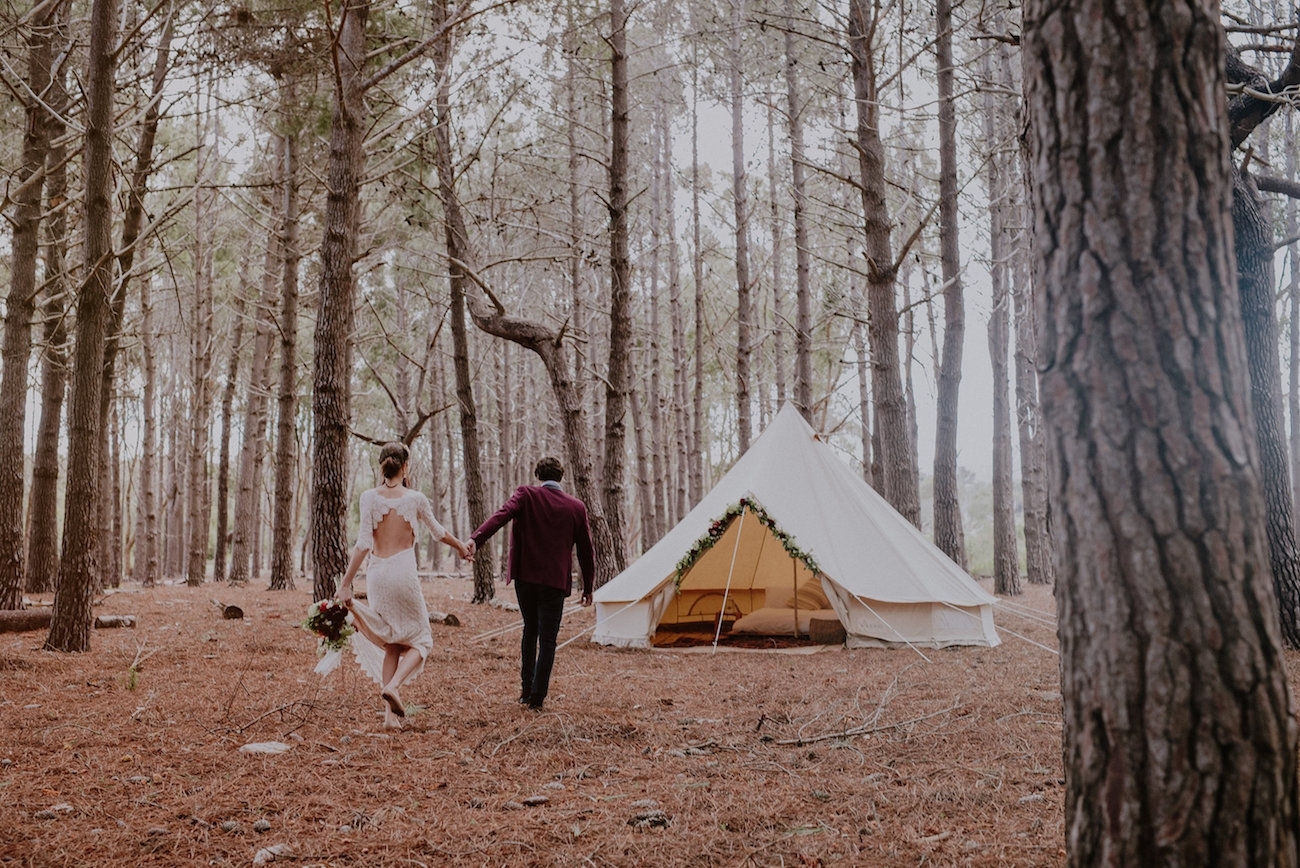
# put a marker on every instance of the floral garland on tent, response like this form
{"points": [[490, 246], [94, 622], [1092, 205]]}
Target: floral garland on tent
{"points": [[719, 527]]}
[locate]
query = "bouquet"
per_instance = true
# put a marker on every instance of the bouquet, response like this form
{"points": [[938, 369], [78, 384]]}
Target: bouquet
{"points": [[329, 621]]}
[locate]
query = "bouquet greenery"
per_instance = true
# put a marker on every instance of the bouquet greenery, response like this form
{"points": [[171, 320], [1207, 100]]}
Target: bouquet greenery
{"points": [[329, 621]]}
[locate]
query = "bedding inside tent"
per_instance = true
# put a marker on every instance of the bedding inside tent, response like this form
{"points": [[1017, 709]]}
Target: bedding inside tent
{"points": [[758, 588]]}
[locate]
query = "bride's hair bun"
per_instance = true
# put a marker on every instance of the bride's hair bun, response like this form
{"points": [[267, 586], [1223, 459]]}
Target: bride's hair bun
{"points": [[392, 458]]}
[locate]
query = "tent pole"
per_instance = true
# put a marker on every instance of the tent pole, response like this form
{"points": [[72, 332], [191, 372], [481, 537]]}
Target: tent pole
{"points": [[717, 630]]}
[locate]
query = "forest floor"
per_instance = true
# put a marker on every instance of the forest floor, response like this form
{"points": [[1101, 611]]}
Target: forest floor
{"points": [[131, 754]]}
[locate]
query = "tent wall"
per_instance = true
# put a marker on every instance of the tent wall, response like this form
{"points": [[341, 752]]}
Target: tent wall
{"points": [[873, 624]]}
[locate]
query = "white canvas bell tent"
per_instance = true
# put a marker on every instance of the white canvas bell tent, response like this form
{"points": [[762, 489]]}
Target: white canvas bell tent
{"points": [[793, 529]]}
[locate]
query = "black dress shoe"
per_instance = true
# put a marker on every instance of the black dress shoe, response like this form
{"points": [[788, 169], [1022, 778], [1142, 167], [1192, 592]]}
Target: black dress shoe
{"points": [[534, 705], [525, 699]]}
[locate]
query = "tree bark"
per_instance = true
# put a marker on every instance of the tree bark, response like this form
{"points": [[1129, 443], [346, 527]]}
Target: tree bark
{"points": [[1006, 559], [253, 449], [948, 533], [803, 254], [1253, 235], [149, 458], [1179, 743], [682, 452], [900, 476], [457, 242], [223, 449], [658, 444], [283, 525], [740, 203], [78, 569], [1293, 303], [20, 305], [42, 564], [332, 368], [698, 443], [619, 374]]}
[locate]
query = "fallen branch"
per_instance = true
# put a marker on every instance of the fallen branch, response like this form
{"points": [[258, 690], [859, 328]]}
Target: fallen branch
{"points": [[24, 620], [869, 729]]}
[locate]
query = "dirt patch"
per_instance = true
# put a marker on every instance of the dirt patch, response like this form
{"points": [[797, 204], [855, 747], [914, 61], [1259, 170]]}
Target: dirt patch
{"points": [[131, 754]]}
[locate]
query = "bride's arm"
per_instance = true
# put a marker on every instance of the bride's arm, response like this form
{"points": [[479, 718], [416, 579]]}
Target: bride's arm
{"points": [[344, 593], [365, 542]]}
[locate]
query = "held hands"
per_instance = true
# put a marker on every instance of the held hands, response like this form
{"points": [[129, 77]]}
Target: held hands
{"points": [[468, 550], [586, 599]]}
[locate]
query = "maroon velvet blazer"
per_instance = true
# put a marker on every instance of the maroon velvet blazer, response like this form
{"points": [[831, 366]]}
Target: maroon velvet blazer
{"points": [[547, 525]]}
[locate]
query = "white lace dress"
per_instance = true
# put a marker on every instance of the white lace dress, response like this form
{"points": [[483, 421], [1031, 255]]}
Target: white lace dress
{"points": [[395, 609]]}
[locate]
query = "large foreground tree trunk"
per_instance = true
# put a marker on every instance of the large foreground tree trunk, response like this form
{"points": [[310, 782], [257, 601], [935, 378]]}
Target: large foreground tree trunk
{"points": [[70, 627], [1180, 747], [332, 374]]}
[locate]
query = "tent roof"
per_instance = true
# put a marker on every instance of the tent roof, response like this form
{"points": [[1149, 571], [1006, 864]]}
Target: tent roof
{"points": [[856, 537]]}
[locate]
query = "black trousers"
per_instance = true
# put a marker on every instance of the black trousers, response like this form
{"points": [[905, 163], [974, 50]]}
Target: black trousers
{"points": [[541, 608]]}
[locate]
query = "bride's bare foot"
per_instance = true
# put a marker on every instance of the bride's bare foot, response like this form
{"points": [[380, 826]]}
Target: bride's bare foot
{"points": [[392, 721], [394, 701]]}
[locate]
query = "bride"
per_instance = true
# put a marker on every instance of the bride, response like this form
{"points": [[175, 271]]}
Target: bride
{"points": [[395, 621]]}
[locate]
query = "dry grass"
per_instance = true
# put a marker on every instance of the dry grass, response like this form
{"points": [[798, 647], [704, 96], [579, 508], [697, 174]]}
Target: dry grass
{"points": [[129, 755]]}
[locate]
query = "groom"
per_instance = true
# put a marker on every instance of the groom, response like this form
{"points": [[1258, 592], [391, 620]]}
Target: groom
{"points": [[548, 523]]}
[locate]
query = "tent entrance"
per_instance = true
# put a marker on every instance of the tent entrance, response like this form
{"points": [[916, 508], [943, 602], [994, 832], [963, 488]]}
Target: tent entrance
{"points": [[746, 585]]}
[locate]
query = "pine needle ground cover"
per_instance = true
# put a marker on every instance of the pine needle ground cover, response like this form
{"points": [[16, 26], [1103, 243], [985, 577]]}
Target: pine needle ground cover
{"points": [[153, 748]]}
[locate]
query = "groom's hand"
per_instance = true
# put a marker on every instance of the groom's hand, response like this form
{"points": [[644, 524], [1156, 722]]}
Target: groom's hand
{"points": [[470, 548]]}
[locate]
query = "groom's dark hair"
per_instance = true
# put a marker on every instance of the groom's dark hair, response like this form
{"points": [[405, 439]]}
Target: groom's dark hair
{"points": [[549, 470]]}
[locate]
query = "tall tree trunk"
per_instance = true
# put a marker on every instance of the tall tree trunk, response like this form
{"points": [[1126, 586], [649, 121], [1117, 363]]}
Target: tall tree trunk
{"points": [[20, 305], [1006, 559], [655, 396], [223, 450], [778, 264], [132, 223], [740, 203], [1293, 302], [1253, 236], [174, 562], [803, 254], [1179, 741], [682, 463], [42, 565], [457, 241], [645, 487], [619, 375], [253, 449], [948, 533], [149, 458], [331, 375], [71, 618], [900, 477], [698, 443], [1039, 568], [113, 576], [200, 416], [286, 448]]}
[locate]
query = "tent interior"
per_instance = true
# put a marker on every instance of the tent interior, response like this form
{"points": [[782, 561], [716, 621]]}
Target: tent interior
{"points": [[747, 584]]}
